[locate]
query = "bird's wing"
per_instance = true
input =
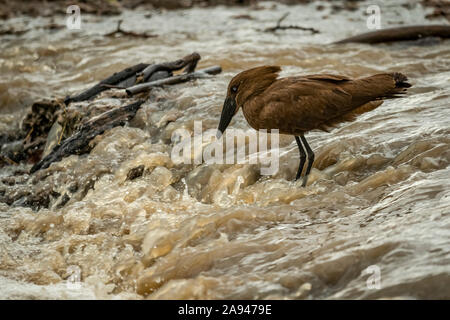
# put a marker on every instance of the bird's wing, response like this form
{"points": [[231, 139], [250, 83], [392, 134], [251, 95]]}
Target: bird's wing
{"points": [[325, 77], [304, 103]]}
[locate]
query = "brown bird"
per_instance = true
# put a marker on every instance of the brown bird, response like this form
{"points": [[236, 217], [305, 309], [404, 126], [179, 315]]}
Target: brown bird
{"points": [[296, 105]]}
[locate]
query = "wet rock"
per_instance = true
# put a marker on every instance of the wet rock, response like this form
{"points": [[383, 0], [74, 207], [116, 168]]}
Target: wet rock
{"points": [[136, 172], [161, 177], [170, 116]]}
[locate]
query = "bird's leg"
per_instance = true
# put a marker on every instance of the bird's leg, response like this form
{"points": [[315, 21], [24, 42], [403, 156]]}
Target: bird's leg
{"points": [[310, 159], [302, 157]]}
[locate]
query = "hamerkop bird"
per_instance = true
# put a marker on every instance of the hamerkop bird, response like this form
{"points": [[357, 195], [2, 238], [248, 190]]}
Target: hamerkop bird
{"points": [[296, 105]]}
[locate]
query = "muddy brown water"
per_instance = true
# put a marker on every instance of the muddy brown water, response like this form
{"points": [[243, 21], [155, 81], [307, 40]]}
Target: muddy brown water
{"points": [[377, 203]]}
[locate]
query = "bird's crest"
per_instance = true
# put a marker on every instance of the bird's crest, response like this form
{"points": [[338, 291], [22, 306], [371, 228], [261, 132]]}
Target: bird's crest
{"points": [[253, 81]]}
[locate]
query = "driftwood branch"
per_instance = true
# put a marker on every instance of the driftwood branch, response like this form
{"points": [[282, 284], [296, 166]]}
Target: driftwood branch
{"points": [[280, 27], [78, 143], [129, 33], [400, 34], [173, 80], [103, 85], [139, 73], [190, 62]]}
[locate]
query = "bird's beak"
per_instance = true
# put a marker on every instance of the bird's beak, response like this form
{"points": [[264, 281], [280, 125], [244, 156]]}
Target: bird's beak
{"points": [[228, 111]]}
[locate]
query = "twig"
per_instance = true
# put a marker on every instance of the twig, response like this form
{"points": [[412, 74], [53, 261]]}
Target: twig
{"points": [[129, 33], [173, 80], [280, 27], [29, 134], [284, 16]]}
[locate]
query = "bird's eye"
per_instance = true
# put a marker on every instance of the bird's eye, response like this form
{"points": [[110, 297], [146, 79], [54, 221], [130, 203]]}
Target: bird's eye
{"points": [[234, 89]]}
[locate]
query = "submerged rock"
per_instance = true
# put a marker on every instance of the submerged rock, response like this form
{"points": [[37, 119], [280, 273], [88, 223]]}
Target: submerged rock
{"points": [[136, 172]]}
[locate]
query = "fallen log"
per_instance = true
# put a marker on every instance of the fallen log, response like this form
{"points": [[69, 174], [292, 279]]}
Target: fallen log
{"points": [[115, 79], [78, 143], [400, 34], [173, 80]]}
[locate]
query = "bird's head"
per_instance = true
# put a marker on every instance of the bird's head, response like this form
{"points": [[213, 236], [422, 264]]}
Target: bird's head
{"points": [[242, 87]]}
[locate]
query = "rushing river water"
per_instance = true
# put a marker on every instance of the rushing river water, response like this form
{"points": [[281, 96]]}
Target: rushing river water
{"points": [[376, 207]]}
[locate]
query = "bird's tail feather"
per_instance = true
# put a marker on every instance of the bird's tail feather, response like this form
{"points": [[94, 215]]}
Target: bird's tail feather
{"points": [[400, 80], [386, 85]]}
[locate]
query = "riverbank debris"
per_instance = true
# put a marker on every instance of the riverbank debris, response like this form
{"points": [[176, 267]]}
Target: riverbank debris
{"points": [[78, 143], [55, 129]]}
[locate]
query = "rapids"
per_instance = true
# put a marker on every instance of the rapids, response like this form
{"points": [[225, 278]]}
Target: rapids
{"points": [[378, 196]]}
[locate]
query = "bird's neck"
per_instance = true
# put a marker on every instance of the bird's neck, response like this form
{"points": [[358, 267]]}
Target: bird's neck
{"points": [[250, 90], [253, 104], [251, 110]]}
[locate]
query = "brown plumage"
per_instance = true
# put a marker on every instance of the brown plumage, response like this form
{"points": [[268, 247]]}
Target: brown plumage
{"points": [[296, 105]]}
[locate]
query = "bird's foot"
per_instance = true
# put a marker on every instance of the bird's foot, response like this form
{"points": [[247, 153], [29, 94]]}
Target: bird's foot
{"points": [[305, 180]]}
